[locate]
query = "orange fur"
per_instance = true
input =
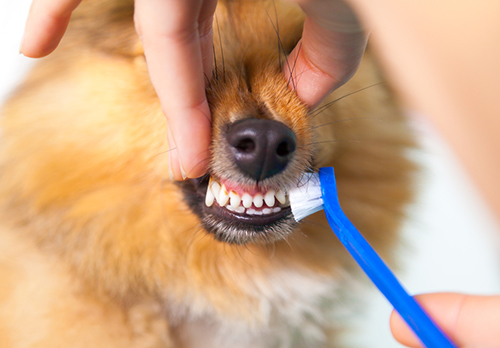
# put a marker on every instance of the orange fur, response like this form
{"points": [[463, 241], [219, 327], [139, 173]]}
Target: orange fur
{"points": [[98, 248]]}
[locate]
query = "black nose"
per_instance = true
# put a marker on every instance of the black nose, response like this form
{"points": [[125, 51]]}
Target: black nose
{"points": [[261, 148]]}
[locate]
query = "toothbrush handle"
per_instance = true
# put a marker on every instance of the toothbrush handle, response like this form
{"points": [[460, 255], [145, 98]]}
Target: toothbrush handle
{"points": [[409, 309]]}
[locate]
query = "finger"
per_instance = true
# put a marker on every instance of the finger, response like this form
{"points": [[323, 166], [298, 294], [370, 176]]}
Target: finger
{"points": [[329, 53], [468, 320], [170, 32], [47, 21], [206, 36]]}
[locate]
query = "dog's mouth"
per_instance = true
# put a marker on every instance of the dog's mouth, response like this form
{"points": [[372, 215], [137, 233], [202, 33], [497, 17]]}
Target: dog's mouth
{"points": [[251, 205], [234, 213]]}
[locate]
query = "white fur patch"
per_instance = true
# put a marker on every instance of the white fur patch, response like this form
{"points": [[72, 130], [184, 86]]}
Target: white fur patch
{"points": [[296, 307]]}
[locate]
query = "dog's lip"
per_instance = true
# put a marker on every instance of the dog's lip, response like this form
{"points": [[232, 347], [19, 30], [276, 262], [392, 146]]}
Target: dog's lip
{"points": [[260, 220]]}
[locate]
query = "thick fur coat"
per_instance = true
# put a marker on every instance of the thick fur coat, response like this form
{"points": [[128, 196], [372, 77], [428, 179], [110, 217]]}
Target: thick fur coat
{"points": [[98, 248]]}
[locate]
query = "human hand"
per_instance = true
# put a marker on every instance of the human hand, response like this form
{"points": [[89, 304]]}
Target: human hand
{"points": [[470, 321], [174, 34], [179, 34], [332, 45]]}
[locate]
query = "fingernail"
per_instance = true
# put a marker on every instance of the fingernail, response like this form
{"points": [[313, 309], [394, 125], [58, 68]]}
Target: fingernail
{"points": [[21, 46], [171, 142], [170, 172], [183, 173]]}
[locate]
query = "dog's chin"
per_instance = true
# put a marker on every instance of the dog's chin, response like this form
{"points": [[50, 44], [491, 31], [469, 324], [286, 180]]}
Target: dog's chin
{"points": [[238, 215]]}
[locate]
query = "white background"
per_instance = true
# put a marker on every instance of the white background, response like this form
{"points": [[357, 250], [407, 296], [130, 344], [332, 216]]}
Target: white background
{"points": [[451, 237]]}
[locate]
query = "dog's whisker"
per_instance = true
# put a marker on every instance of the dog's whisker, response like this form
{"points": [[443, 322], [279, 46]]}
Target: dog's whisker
{"points": [[216, 68], [335, 141], [273, 252], [288, 243], [221, 48], [278, 33], [345, 120], [199, 163], [163, 152], [327, 105], [295, 64], [281, 47]]}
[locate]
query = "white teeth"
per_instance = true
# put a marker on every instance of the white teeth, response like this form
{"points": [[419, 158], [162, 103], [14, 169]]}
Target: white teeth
{"points": [[209, 198], [223, 196], [269, 198], [258, 200], [281, 197], [247, 200], [235, 199], [215, 188], [243, 204], [239, 209]]}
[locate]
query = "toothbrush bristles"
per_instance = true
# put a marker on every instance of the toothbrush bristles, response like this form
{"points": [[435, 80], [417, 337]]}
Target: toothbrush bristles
{"points": [[306, 198]]}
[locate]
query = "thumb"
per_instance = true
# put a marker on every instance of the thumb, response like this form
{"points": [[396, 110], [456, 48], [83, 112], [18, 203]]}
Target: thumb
{"points": [[468, 320], [329, 53]]}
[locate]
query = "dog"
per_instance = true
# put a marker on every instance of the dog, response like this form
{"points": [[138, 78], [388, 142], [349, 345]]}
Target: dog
{"points": [[99, 248]]}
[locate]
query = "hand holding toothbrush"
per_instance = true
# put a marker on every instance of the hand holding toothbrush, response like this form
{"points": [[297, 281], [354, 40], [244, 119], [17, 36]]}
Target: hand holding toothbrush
{"points": [[442, 320], [471, 321]]}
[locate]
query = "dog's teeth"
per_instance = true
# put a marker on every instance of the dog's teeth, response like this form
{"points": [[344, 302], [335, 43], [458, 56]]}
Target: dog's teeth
{"points": [[281, 197], [269, 198], [258, 200], [243, 205], [209, 198], [247, 200], [235, 199], [223, 196], [215, 187]]}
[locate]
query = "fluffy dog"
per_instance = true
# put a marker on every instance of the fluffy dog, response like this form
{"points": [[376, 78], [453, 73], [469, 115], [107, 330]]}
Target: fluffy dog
{"points": [[98, 248]]}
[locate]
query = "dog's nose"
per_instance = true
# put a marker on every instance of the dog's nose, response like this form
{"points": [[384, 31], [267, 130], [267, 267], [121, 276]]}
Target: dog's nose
{"points": [[261, 148]]}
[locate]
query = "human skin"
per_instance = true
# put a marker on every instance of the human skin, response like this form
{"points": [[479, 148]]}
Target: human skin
{"points": [[470, 321], [443, 58]]}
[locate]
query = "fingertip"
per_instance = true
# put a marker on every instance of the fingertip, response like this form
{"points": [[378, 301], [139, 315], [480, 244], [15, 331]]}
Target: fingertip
{"points": [[42, 35], [194, 155], [189, 153], [180, 172], [196, 171], [323, 60], [401, 331], [37, 50]]}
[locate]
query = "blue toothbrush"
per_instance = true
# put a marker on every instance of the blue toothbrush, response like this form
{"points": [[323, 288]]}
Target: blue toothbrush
{"points": [[318, 191]]}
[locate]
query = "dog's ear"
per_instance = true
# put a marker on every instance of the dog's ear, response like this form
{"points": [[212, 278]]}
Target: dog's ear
{"points": [[105, 25]]}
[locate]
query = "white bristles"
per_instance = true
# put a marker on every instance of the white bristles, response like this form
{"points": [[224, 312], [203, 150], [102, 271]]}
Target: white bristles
{"points": [[306, 198]]}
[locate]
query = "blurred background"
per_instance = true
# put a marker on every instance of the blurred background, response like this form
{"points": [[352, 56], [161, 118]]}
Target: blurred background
{"points": [[451, 239]]}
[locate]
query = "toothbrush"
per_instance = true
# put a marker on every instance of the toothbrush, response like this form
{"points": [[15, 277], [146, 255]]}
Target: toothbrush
{"points": [[318, 191]]}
